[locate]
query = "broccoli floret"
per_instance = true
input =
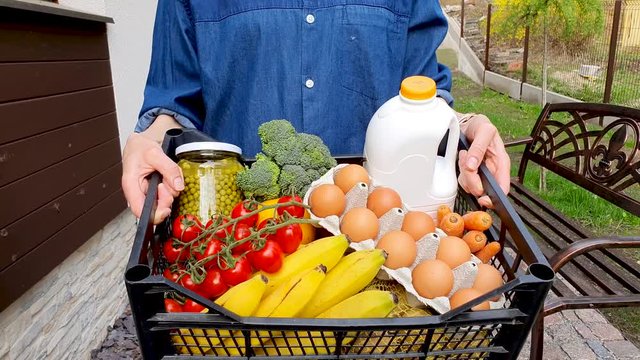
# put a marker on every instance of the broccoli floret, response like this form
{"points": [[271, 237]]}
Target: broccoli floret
{"points": [[276, 135], [260, 181], [315, 154], [294, 179]]}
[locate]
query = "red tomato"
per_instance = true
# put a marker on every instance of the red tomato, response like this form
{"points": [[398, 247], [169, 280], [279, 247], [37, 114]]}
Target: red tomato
{"points": [[289, 238], [237, 274], [188, 283], [295, 211], [171, 275], [270, 222], [269, 258], [174, 254], [243, 208], [242, 232], [192, 306], [214, 246], [186, 227], [213, 286], [171, 305], [222, 232]]}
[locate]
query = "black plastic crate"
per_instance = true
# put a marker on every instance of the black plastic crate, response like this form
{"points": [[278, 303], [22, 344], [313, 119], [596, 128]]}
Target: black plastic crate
{"points": [[457, 334]]}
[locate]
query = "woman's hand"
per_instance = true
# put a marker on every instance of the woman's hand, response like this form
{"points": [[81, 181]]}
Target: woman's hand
{"points": [[142, 156], [486, 145]]}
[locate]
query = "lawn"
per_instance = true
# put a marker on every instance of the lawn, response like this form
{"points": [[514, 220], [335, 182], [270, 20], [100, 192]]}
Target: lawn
{"points": [[515, 119]]}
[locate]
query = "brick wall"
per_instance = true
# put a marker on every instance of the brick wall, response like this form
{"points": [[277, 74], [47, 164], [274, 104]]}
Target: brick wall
{"points": [[65, 315]]}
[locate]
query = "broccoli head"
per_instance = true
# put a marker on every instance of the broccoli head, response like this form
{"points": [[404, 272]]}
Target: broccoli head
{"points": [[294, 179], [276, 135], [315, 154], [260, 181]]}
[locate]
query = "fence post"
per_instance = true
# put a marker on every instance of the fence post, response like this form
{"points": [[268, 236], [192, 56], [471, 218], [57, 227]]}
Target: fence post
{"points": [[488, 39], [462, 19], [525, 56], [613, 46]]}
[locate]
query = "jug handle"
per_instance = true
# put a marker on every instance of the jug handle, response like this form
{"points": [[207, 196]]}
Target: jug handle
{"points": [[452, 143]]}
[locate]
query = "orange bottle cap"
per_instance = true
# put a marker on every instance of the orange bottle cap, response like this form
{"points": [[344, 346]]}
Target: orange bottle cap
{"points": [[418, 88]]}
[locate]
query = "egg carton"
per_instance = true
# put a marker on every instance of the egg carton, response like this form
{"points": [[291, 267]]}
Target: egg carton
{"points": [[463, 276]]}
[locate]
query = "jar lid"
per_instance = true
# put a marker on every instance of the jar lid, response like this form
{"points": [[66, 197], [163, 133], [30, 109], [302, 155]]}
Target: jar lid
{"points": [[208, 145]]}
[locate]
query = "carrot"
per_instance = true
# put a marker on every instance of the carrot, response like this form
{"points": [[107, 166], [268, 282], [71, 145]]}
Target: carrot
{"points": [[489, 251], [453, 225], [475, 239], [477, 220], [443, 210]]}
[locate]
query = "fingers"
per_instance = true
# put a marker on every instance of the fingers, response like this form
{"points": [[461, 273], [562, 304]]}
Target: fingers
{"points": [[133, 193], [502, 172], [170, 171], [483, 135], [165, 199], [469, 179]]}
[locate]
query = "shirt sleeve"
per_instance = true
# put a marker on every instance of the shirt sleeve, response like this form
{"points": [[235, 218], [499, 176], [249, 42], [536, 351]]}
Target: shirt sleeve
{"points": [[427, 29], [173, 85]]}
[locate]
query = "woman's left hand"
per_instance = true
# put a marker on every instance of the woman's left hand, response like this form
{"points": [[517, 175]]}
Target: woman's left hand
{"points": [[486, 145]]}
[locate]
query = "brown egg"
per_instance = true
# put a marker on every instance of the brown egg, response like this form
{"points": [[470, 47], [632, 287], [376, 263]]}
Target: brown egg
{"points": [[383, 199], [400, 247], [347, 177], [359, 224], [327, 199], [488, 279], [418, 224], [453, 251], [432, 278], [463, 296]]}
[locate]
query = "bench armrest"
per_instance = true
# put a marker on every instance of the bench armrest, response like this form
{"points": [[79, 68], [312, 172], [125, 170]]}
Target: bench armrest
{"points": [[582, 246], [517, 142]]}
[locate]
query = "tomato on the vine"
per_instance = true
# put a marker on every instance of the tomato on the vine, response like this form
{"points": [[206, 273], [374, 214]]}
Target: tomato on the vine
{"points": [[213, 286], [171, 305], [268, 222], [243, 208], [171, 275], [174, 254], [214, 246], [186, 227], [240, 272], [289, 238], [192, 306], [269, 258], [294, 211], [222, 232], [188, 283], [242, 232]]}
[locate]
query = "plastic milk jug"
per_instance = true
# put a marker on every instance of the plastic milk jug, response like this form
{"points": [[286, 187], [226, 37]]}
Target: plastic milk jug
{"points": [[402, 145]]}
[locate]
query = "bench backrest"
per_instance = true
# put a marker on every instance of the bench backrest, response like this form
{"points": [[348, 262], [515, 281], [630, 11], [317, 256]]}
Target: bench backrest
{"points": [[604, 159]]}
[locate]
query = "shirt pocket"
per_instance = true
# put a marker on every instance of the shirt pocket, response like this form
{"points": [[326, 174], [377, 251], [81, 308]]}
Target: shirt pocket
{"points": [[370, 49]]}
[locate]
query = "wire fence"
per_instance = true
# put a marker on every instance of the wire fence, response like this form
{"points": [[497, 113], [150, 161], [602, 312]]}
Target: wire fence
{"points": [[587, 68]]}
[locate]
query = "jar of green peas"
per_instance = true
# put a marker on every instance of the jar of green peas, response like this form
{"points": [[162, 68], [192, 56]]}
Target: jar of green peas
{"points": [[209, 170]]}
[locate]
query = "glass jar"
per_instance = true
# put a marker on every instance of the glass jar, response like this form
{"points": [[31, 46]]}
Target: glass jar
{"points": [[210, 170]]}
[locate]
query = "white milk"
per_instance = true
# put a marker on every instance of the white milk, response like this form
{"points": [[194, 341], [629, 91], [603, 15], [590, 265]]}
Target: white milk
{"points": [[401, 146]]}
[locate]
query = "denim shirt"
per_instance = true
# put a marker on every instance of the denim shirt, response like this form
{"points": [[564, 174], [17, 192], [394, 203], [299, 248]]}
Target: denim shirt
{"points": [[226, 66]]}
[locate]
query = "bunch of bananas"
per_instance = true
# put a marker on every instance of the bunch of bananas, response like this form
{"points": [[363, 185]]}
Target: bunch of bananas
{"points": [[316, 281]]}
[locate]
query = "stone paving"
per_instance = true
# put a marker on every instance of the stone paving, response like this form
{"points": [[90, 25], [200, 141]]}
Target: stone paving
{"points": [[583, 335]]}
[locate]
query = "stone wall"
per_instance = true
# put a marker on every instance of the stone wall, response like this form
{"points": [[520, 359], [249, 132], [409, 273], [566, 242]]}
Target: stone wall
{"points": [[66, 314]]}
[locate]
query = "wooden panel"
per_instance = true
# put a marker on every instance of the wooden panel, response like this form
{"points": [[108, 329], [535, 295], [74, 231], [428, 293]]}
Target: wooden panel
{"points": [[30, 80], [23, 235], [31, 192], [29, 36], [24, 157], [21, 119], [24, 273]]}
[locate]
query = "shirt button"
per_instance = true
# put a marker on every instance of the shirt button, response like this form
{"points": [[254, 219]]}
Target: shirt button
{"points": [[311, 19], [309, 83]]}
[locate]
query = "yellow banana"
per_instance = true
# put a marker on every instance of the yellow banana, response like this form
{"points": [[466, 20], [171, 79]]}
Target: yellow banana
{"points": [[326, 251], [351, 274], [367, 304], [242, 299]]}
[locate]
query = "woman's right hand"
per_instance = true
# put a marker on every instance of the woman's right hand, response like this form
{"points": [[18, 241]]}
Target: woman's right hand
{"points": [[142, 156]]}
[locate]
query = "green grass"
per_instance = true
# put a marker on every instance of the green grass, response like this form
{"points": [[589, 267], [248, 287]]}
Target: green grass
{"points": [[515, 119]]}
